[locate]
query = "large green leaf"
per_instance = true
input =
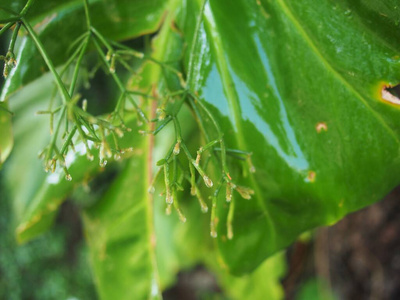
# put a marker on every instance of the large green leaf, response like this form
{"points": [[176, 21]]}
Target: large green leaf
{"points": [[298, 83], [36, 204], [37, 195], [58, 27], [263, 283], [6, 141], [119, 230]]}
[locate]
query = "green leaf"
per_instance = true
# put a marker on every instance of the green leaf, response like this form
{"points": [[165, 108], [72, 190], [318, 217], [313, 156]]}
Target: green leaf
{"points": [[37, 195], [315, 289], [9, 9], [299, 85], [36, 204], [119, 228], [119, 231], [6, 141], [263, 283], [57, 28]]}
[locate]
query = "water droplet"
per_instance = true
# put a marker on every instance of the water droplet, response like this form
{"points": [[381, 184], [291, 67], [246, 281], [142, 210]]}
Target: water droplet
{"points": [[68, 177], [213, 233], [348, 13], [89, 156]]}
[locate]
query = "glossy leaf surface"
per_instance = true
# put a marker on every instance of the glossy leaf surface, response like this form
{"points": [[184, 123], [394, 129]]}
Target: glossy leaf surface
{"points": [[303, 94], [6, 136], [59, 24], [301, 85]]}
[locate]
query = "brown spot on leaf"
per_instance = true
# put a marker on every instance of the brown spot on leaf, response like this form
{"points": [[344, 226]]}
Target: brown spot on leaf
{"points": [[321, 126], [311, 176], [390, 93]]}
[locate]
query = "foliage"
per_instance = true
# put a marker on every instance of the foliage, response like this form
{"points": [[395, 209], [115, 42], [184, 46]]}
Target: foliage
{"points": [[275, 119], [51, 267]]}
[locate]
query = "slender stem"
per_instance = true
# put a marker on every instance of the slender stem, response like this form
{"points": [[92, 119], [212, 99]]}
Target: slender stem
{"points": [[118, 81], [140, 94], [88, 23], [229, 221], [68, 140], [26, 8], [209, 145], [71, 60], [129, 51], [163, 124], [6, 27], [220, 136], [14, 38], [102, 39], [77, 41], [13, 20], [189, 156], [81, 133], [214, 221], [78, 65], [199, 119], [61, 87], [54, 138]]}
